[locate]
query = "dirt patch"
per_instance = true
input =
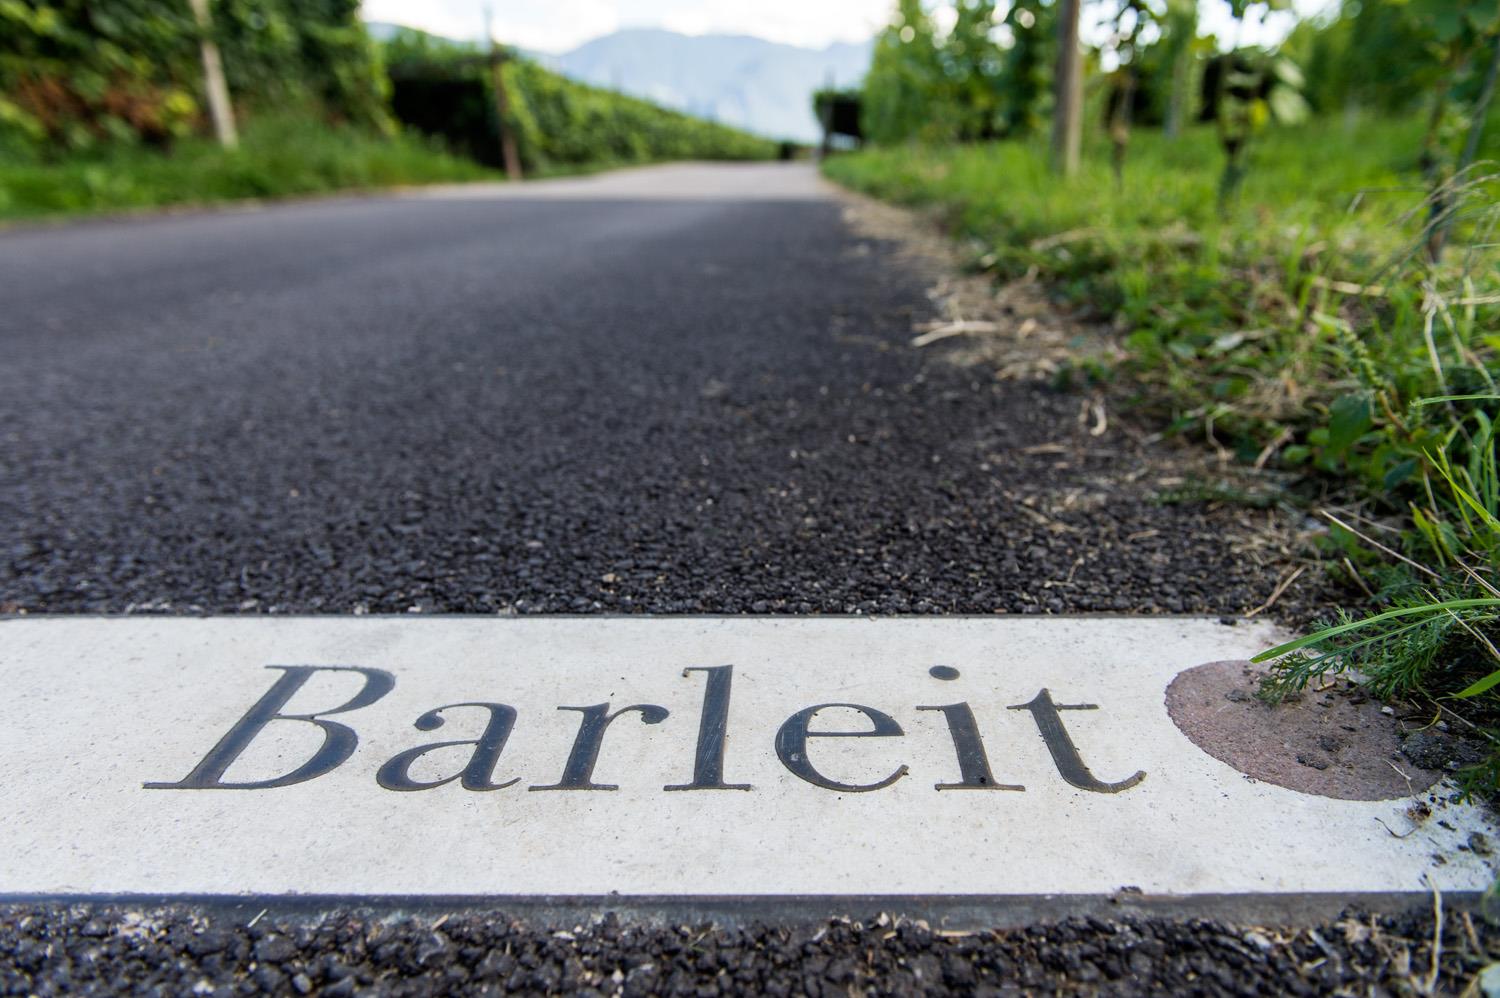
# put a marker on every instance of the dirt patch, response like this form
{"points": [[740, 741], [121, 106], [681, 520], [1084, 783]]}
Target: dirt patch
{"points": [[1333, 742]]}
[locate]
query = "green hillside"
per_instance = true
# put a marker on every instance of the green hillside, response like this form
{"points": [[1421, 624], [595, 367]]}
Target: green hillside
{"points": [[444, 89]]}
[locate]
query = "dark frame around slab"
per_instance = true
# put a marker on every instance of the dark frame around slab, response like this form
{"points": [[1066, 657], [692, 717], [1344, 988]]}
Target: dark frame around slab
{"points": [[952, 912]]}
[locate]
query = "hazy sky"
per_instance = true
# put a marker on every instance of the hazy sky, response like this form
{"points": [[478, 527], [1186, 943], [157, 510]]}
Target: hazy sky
{"points": [[558, 25]]}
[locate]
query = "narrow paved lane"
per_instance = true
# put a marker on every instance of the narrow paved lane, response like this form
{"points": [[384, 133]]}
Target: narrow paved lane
{"points": [[684, 389]]}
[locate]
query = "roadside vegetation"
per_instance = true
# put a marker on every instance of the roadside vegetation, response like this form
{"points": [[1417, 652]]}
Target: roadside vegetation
{"points": [[107, 106], [1296, 250], [279, 155]]}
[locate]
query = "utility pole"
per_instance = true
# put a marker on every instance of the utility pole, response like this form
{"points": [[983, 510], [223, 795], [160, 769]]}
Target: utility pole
{"points": [[219, 107], [1067, 110], [508, 153], [825, 116]]}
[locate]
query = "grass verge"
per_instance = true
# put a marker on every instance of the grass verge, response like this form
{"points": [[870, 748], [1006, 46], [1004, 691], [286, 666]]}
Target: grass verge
{"points": [[279, 155], [1304, 331]]}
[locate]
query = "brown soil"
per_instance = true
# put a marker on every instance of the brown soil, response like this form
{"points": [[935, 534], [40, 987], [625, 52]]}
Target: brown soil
{"points": [[1332, 741]]}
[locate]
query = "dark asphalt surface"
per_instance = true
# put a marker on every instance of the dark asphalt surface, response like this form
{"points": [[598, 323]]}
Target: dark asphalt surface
{"points": [[615, 401], [620, 396]]}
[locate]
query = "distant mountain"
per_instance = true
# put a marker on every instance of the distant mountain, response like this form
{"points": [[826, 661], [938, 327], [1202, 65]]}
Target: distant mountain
{"points": [[754, 84], [382, 31]]}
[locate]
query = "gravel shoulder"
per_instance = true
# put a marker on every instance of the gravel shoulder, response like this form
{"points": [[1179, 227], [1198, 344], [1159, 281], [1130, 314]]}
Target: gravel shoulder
{"points": [[182, 950]]}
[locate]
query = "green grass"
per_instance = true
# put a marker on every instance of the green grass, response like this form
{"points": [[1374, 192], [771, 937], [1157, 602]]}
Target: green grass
{"points": [[1303, 330], [279, 156], [1251, 329], [1299, 174]]}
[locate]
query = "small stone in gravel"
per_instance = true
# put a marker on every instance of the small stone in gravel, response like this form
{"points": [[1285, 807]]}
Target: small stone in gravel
{"points": [[275, 949], [1426, 749], [1431, 749]]}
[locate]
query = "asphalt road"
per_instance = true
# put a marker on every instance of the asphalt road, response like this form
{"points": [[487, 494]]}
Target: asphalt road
{"points": [[679, 390]]}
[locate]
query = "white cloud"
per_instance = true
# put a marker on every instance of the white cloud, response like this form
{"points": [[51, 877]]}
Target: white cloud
{"points": [[1259, 26], [810, 23], [548, 25], [441, 17], [558, 25]]}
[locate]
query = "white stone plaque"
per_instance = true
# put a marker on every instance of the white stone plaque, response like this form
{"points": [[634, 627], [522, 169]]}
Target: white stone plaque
{"points": [[658, 756]]}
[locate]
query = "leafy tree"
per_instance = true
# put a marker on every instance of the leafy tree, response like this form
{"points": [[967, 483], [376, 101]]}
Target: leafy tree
{"points": [[905, 81], [965, 85], [1132, 19], [1026, 77], [72, 73], [1391, 55], [76, 73], [974, 71], [1463, 36], [1179, 47], [1248, 88], [1436, 56]]}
